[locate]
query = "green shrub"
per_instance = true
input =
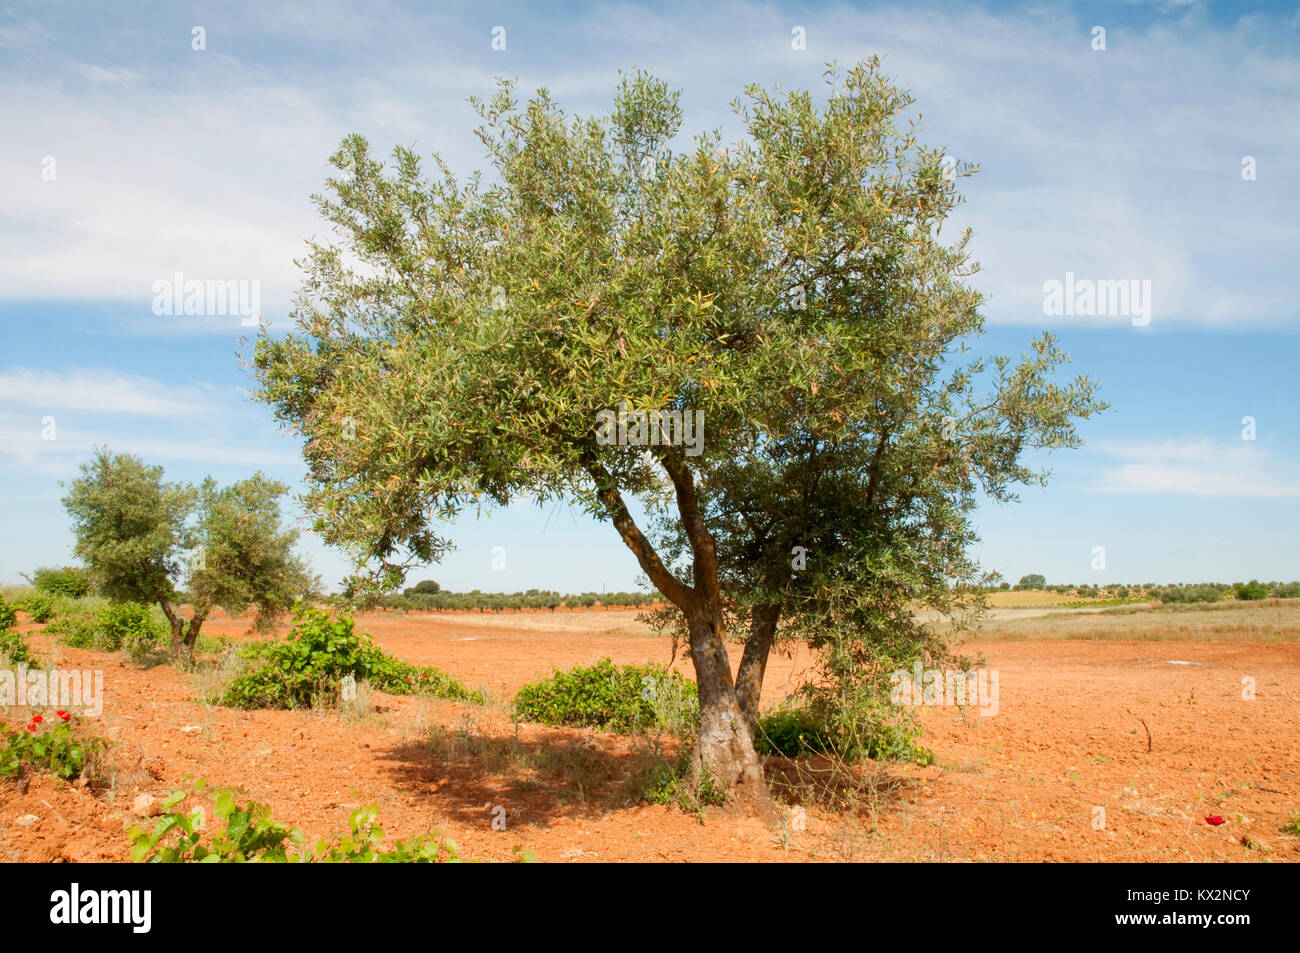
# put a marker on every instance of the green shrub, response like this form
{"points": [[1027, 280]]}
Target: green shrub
{"points": [[40, 606], [1286, 590], [851, 733], [1252, 590], [113, 626], [251, 835], [54, 749], [66, 581], [14, 649], [616, 698], [317, 654], [8, 615]]}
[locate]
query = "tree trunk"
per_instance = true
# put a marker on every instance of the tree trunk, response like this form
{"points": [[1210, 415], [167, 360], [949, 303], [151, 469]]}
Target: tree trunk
{"points": [[177, 623], [192, 631], [724, 753], [753, 663]]}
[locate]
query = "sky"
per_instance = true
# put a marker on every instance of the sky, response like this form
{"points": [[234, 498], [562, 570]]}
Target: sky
{"points": [[144, 142]]}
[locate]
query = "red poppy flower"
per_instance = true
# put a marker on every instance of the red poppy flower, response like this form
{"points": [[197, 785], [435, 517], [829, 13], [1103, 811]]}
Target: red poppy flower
{"points": [[37, 719], [1214, 819], [64, 715], [31, 727]]}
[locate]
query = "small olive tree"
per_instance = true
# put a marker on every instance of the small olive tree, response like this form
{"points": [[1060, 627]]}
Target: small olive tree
{"points": [[140, 536]]}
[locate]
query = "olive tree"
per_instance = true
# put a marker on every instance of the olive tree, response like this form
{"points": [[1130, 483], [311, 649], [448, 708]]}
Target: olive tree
{"points": [[140, 536], [604, 319]]}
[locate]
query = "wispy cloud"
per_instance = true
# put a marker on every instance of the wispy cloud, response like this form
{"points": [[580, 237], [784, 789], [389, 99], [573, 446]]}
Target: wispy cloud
{"points": [[1197, 467], [102, 391], [1122, 164]]}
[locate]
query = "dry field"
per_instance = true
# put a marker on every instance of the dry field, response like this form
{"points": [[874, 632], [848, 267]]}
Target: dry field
{"points": [[1116, 734]]}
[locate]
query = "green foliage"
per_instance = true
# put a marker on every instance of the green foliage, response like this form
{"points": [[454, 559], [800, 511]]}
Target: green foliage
{"points": [[55, 749], [129, 526], [1252, 590], [425, 586], [414, 600], [1286, 590], [616, 698], [70, 581], [132, 626], [251, 835], [39, 606], [12, 646], [1032, 581], [132, 530], [313, 659], [868, 732], [1207, 592], [247, 556]]}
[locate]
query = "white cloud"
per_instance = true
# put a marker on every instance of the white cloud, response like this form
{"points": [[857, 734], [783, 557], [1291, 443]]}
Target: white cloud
{"points": [[100, 391], [1197, 467], [1115, 164]]}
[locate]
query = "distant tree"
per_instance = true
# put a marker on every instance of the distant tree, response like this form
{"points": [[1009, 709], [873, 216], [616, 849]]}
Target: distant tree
{"points": [[247, 555], [1032, 581], [1252, 590], [424, 586], [71, 581], [132, 530]]}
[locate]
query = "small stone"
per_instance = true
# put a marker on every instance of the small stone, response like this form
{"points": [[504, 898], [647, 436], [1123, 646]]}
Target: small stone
{"points": [[27, 820], [191, 729], [144, 805]]}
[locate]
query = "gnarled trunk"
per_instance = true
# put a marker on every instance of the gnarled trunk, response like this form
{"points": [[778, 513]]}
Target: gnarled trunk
{"points": [[753, 663], [177, 623], [724, 753]]}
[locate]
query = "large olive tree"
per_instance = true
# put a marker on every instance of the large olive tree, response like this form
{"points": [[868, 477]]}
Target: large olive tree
{"points": [[469, 341]]}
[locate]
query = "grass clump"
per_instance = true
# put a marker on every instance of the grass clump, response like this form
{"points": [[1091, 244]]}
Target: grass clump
{"points": [[623, 698], [310, 664]]}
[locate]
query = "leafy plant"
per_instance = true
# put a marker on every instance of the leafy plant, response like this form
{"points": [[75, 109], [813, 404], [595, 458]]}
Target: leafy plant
{"points": [[55, 749], [616, 698], [1252, 591], [132, 626], [67, 581], [251, 835], [317, 654], [39, 605]]}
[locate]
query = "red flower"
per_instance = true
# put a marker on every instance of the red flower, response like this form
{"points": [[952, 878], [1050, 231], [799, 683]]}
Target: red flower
{"points": [[36, 719], [31, 727], [64, 715], [1214, 819], [425, 675]]}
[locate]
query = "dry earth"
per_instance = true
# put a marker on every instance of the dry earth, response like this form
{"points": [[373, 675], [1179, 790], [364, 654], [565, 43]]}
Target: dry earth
{"points": [[1027, 784]]}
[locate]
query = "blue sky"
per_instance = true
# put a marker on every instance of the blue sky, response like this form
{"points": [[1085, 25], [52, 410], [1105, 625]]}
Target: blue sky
{"points": [[1116, 164]]}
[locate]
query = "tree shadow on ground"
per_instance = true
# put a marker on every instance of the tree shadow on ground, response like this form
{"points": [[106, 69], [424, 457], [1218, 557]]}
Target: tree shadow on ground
{"points": [[471, 774]]}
